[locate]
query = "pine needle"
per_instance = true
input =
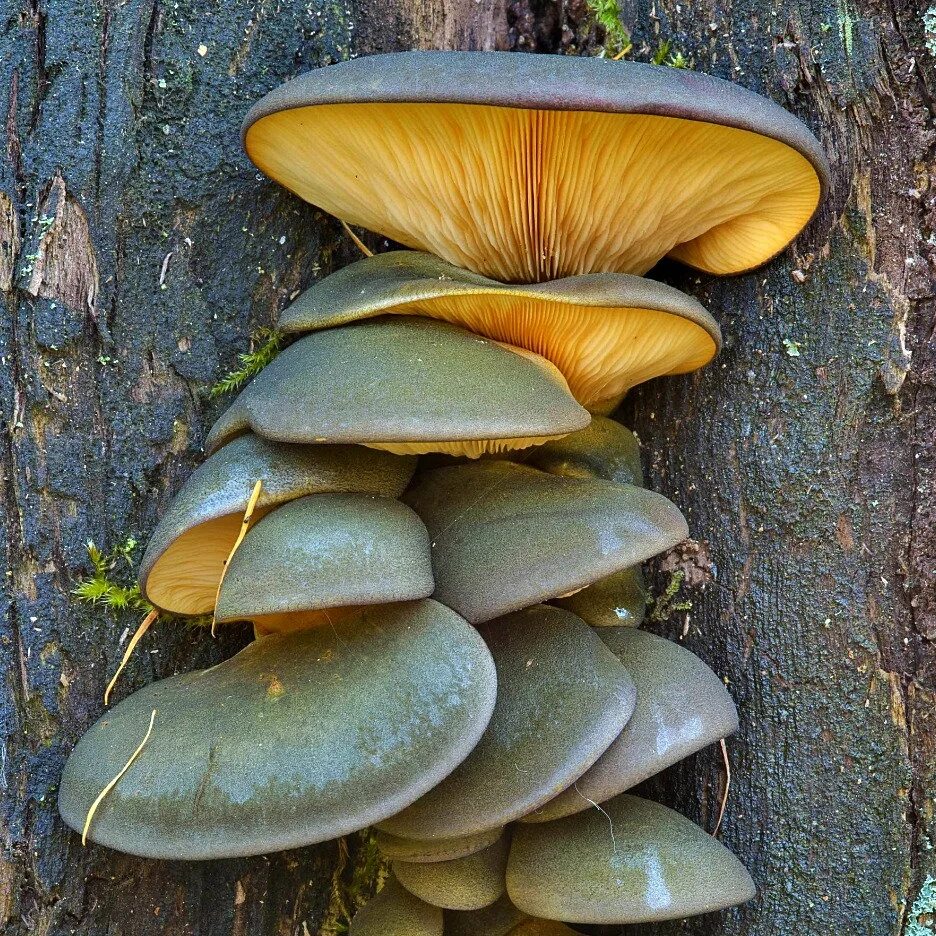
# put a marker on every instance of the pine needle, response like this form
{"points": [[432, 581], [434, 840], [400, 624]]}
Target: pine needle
{"points": [[245, 526], [131, 646], [357, 241], [724, 802], [110, 786]]}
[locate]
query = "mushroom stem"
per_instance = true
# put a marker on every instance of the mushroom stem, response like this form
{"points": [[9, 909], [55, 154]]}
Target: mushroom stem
{"points": [[131, 646], [110, 786], [245, 526]]}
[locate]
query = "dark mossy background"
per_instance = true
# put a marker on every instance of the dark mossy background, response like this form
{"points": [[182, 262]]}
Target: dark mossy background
{"points": [[139, 249]]}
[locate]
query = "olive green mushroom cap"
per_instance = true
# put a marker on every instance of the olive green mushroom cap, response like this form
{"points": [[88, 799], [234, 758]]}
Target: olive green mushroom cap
{"points": [[185, 556], [562, 698], [538, 927], [468, 883], [408, 385], [505, 536], [657, 865], [326, 551], [533, 167], [421, 851], [606, 332], [297, 739], [682, 706], [499, 919], [396, 912], [603, 449], [618, 600]]}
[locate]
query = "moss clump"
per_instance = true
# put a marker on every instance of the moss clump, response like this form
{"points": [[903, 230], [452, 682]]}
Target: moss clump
{"points": [[665, 605], [265, 344]]}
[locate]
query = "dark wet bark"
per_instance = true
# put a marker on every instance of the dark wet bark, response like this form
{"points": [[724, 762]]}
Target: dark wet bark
{"points": [[137, 251]]}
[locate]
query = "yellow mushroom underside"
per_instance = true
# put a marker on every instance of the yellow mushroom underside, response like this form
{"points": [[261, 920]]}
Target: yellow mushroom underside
{"points": [[531, 195], [185, 578], [601, 351]]}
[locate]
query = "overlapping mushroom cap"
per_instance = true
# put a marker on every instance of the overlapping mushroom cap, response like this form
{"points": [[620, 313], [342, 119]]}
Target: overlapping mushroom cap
{"points": [[505, 536], [682, 707], [397, 912], [317, 557], [605, 332], [298, 738], [185, 556], [407, 385], [533, 167], [562, 699], [656, 866]]}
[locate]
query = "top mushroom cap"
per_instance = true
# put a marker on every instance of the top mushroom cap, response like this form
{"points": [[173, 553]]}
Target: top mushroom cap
{"points": [[606, 332], [185, 556], [408, 385], [533, 167]]}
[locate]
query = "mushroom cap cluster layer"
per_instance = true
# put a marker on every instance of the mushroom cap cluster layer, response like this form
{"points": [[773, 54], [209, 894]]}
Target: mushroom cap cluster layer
{"points": [[446, 648]]}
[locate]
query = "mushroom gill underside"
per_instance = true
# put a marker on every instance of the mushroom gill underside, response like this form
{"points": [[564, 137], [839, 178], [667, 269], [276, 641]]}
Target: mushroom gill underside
{"points": [[447, 649]]}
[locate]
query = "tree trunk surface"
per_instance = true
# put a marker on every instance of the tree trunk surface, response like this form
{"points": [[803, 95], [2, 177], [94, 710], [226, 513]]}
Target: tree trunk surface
{"points": [[139, 249]]}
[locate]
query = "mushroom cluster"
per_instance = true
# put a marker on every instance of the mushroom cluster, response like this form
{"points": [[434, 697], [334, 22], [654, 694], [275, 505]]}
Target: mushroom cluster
{"points": [[447, 649]]}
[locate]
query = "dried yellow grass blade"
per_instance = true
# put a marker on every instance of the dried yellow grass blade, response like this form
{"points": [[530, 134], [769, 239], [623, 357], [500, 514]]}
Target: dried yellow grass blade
{"points": [[357, 241], [131, 646], [110, 786], [245, 526]]}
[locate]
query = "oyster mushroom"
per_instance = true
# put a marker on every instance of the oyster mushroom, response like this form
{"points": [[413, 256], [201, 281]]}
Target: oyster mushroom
{"points": [[562, 698], [682, 707], [605, 332], [396, 912], [616, 600], [657, 865], [297, 739], [185, 556], [323, 556], [530, 168], [467, 883], [419, 851], [407, 385], [505, 536], [499, 919]]}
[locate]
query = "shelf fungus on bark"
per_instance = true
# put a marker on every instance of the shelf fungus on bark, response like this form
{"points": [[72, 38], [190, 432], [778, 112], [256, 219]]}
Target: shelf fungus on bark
{"points": [[562, 698], [321, 558], [406, 385], [534, 167], [297, 739], [682, 707], [468, 883], [185, 557], [505, 536], [605, 332], [396, 912], [633, 861]]}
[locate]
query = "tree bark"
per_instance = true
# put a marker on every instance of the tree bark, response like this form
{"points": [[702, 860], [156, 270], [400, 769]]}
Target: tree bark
{"points": [[138, 249]]}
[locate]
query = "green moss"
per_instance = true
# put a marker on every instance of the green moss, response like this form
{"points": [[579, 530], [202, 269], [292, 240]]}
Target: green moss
{"points": [[665, 605], [607, 15], [666, 55], [265, 344], [360, 871]]}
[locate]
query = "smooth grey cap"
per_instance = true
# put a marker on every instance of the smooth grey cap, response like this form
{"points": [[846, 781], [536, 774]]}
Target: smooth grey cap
{"points": [[297, 739], [633, 861], [298, 153], [420, 851], [682, 707], [396, 912], [202, 521], [505, 536], [468, 883], [499, 919], [606, 332], [401, 380], [327, 551], [619, 600], [562, 698], [604, 449]]}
